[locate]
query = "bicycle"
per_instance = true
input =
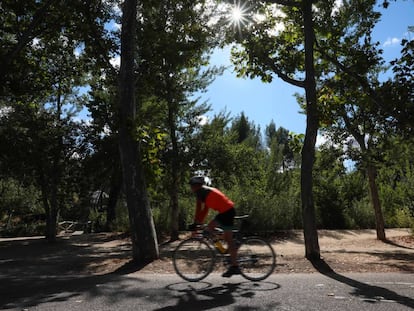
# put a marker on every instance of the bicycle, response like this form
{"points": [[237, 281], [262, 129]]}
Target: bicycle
{"points": [[194, 258]]}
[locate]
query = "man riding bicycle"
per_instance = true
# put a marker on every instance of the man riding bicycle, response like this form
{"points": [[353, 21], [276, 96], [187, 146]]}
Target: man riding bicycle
{"points": [[209, 197]]}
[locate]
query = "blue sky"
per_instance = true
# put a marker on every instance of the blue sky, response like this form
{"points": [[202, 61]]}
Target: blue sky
{"points": [[262, 103]]}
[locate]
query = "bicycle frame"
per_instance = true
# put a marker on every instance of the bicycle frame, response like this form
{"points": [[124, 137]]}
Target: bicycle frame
{"points": [[213, 238], [194, 260]]}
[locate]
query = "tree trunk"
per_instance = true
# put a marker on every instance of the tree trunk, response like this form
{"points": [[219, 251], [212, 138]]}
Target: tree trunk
{"points": [[52, 214], [174, 229], [174, 216], [49, 220], [115, 189], [308, 152], [55, 178], [372, 174], [143, 235], [379, 219]]}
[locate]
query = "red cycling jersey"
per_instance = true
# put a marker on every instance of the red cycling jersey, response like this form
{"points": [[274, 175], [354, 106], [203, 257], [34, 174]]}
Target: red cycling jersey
{"points": [[212, 198]]}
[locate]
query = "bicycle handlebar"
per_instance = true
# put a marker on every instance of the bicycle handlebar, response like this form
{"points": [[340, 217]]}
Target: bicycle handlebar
{"points": [[196, 227]]}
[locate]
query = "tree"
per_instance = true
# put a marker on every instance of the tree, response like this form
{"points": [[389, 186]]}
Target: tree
{"points": [[354, 114], [279, 141], [396, 178], [44, 61], [334, 32], [263, 55], [171, 68], [48, 97], [143, 236], [354, 98], [51, 145], [212, 151], [246, 132]]}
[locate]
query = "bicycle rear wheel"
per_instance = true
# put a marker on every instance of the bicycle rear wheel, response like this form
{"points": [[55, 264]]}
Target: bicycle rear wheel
{"points": [[193, 259], [256, 258]]}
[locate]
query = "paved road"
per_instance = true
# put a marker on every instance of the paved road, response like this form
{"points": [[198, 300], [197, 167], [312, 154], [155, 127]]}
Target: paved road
{"points": [[167, 292]]}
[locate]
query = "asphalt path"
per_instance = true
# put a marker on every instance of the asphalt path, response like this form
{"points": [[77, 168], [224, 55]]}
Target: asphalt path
{"points": [[139, 291]]}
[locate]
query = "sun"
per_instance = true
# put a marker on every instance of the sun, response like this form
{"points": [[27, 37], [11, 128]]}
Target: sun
{"points": [[238, 15]]}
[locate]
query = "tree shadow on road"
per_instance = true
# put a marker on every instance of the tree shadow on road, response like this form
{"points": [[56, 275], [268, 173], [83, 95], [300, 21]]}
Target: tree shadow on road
{"points": [[34, 271], [365, 291], [205, 296]]}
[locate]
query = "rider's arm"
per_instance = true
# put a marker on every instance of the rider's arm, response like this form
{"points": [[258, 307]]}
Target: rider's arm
{"points": [[200, 212]]}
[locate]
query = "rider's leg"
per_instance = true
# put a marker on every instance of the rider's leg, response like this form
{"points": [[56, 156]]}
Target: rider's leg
{"points": [[212, 225], [232, 249], [228, 237], [226, 221]]}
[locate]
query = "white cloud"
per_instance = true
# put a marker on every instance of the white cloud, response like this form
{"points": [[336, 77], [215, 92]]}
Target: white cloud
{"points": [[391, 42]]}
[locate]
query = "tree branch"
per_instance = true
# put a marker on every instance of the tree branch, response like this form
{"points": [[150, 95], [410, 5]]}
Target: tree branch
{"points": [[28, 34], [360, 79], [283, 75], [103, 51], [354, 132]]}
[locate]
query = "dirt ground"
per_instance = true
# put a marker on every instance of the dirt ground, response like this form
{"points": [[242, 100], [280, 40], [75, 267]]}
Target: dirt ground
{"points": [[98, 254]]}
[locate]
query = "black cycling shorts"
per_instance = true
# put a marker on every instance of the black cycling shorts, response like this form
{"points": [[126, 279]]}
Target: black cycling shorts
{"points": [[226, 219]]}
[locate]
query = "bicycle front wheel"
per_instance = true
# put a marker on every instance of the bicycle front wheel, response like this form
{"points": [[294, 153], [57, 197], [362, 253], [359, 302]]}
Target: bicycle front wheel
{"points": [[257, 259], [193, 259]]}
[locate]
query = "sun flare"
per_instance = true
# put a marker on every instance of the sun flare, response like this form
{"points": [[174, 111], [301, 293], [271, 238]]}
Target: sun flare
{"points": [[238, 15]]}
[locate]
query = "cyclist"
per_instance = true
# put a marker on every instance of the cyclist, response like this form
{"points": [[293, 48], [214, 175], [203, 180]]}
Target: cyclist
{"points": [[212, 198]]}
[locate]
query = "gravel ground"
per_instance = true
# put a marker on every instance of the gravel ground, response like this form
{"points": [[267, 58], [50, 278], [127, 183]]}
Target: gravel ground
{"points": [[103, 253]]}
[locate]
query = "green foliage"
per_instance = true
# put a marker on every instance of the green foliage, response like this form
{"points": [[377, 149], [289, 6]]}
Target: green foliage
{"points": [[153, 142], [17, 199], [360, 215], [396, 177], [122, 219], [399, 91], [329, 203], [23, 230], [270, 212]]}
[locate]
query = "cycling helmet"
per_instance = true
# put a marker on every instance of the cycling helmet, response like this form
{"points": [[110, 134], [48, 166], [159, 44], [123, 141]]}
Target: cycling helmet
{"points": [[197, 180]]}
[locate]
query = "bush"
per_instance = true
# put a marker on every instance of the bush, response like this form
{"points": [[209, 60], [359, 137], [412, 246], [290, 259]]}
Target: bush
{"points": [[121, 223], [401, 218], [269, 213], [360, 215], [22, 230]]}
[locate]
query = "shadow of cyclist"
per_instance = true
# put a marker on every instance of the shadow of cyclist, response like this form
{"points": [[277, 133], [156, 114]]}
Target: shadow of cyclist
{"points": [[208, 297]]}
